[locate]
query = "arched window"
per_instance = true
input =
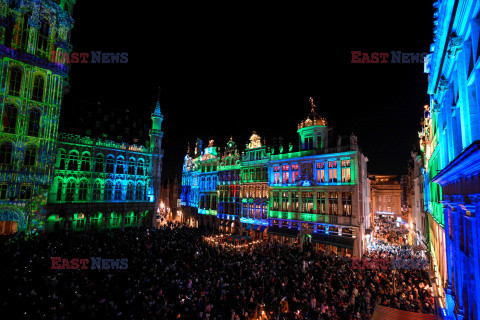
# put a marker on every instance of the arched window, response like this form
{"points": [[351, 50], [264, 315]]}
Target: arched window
{"points": [[140, 194], [9, 119], [25, 27], [108, 192], [6, 150], [118, 191], [130, 191], [85, 163], [34, 123], [15, 82], [70, 194], [38, 88], [140, 165], [82, 191], [109, 167], [62, 155], [97, 191], [59, 190], [30, 157], [73, 161], [120, 165], [131, 166], [42, 41], [99, 163]]}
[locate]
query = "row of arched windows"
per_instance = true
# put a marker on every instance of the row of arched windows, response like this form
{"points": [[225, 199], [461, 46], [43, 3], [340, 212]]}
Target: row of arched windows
{"points": [[111, 192], [15, 84], [42, 35], [119, 165], [6, 155], [10, 120]]}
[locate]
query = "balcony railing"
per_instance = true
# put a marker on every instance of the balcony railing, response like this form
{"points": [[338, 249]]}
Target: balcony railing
{"points": [[312, 217]]}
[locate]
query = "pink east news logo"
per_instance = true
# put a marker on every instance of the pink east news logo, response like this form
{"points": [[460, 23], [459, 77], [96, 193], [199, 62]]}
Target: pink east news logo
{"points": [[96, 263], [388, 57], [90, 57]]}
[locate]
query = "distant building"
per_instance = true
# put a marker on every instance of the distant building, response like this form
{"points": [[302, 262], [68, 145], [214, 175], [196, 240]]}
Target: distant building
{"points": [[386, 196], [317, 194]]}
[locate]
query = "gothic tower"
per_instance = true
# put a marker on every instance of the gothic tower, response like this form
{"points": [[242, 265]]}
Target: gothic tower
{"points": [[156, 136], [32, 84]]}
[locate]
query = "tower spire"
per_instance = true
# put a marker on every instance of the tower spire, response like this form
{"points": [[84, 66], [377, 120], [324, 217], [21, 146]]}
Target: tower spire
{"points": [[157, 111]]}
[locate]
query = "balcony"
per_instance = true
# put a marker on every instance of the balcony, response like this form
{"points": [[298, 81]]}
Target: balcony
{"points": [[312, 217]]}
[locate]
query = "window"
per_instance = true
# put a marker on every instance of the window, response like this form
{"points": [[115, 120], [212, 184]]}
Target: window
{"points": [[333, 203], [73, 161], [70, 194], [109, 167], [38, 88], [120, 166], [25, 34], [294, 172], [346, 174], [6, 150], [9, 119], [99, 163], [130, 191], [276, 201], [332, 171], [320, 172], [34, 123], [15, 82], [85, 164], [82, 191], [118, 191], [389, 199], [25, 192], [285, 174], [347, 203], [108, 192], [140, 165], [3, 191], [321, 208], [295, 202], [61, 159], [307, 202], [276, 175], [30, 156], [285, 201], [42, 41], [97, 191], [131, 166], [140, 193]]}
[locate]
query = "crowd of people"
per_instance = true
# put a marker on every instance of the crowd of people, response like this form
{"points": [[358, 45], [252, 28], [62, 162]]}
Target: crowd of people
{"points": [[173, 274]]}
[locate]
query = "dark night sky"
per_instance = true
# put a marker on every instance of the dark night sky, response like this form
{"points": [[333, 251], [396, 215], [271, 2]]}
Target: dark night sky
{"points": [[233, 68]]}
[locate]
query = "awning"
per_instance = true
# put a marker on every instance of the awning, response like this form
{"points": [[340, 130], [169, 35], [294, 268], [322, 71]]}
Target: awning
{"points": [[286, 232], [333, 240], [262, 228], [385, 313], [249, 226], [255, 227]]}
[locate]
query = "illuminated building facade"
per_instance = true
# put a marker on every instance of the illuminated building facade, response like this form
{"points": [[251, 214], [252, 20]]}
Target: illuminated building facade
{"points": [[30, 99], [100, 184], [229, 201], [450, 143], [318, 194], [254, 187], [207, 190]]}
